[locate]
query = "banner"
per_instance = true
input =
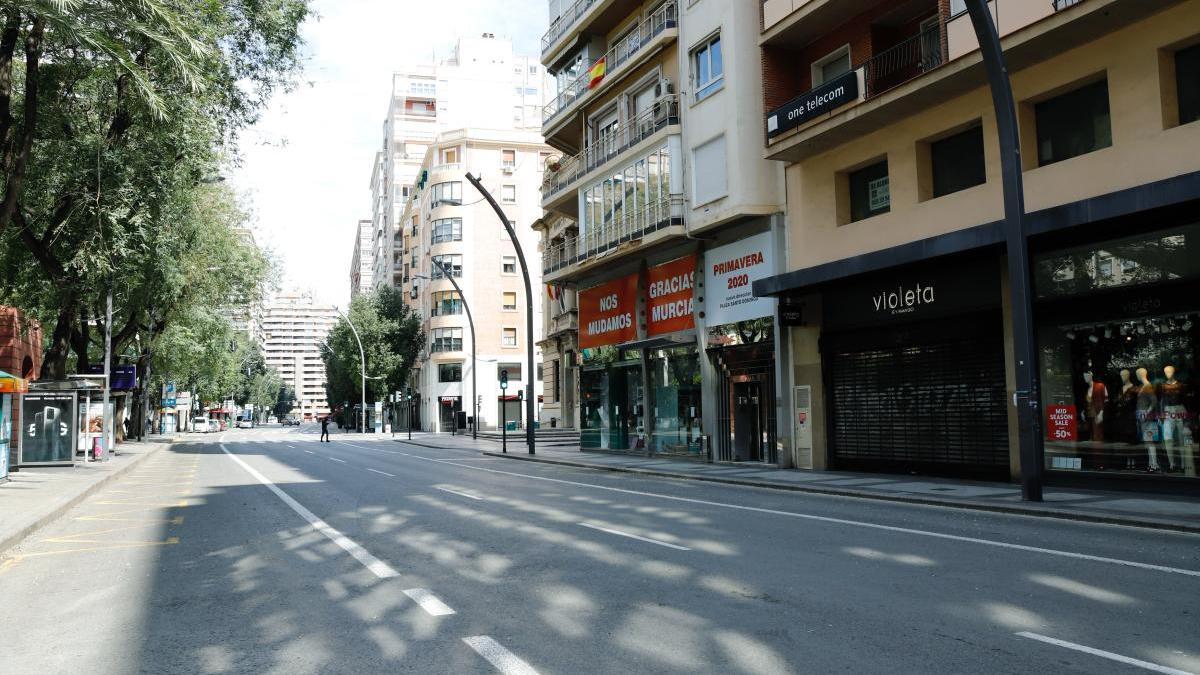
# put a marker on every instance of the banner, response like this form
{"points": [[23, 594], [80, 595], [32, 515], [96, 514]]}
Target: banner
{"points": [[669, 298], [48, 428], [606, 313], [729, 272]]}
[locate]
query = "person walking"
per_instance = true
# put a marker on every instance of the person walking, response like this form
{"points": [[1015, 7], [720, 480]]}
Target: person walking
{"points": [[325, 429]]}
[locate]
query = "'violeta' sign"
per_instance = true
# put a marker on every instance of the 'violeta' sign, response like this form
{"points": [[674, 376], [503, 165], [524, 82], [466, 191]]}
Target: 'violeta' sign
{"points": [[729, 272]]}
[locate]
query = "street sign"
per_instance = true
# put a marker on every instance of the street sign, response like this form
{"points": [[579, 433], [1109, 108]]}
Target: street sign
{"points": [[503, 379]]}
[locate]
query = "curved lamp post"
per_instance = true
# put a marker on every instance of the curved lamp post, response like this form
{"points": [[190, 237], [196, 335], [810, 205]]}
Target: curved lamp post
{"points": [[470, 322], [362, 359]]}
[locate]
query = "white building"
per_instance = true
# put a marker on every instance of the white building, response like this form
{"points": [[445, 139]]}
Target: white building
{"points": [[361, 270], [481, 85], [294, 327]]}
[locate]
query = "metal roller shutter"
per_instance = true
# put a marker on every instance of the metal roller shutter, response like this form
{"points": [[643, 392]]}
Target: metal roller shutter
{"points": [[926, 397]]}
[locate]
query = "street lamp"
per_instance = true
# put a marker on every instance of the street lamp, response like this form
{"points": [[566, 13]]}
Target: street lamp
{"points": [[362, 358], [512, 234], [470, 322], [1028, 409]]}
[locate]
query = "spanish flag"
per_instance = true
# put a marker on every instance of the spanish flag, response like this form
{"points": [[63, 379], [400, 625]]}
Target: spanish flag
{"points": [[596, 72]]}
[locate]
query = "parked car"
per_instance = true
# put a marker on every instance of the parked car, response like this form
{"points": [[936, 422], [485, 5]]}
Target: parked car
{"points": [[245, 424], [200, 425], [215, 425], [291, 421]]}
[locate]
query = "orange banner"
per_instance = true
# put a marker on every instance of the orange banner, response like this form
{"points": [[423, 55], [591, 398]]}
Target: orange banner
{"points": [[670, 292], [607, 311]]}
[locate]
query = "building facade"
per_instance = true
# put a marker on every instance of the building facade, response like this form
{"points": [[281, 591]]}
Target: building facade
{"points": [[362, 273], [294, 328], [447, 223], [896, 271], [662, 211], [482, 84]]}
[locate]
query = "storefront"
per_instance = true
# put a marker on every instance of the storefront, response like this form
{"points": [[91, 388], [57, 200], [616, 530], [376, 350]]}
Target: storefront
{"points": [[10, 386], [1118, 340], [914, 370]]}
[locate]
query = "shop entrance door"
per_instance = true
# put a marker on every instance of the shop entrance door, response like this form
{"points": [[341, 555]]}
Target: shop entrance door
{"points": [[447, 412], [747, 416]]}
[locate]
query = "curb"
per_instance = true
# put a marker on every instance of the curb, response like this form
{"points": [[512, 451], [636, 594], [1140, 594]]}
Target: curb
{"points": [[1148, 523], [16, 538]]}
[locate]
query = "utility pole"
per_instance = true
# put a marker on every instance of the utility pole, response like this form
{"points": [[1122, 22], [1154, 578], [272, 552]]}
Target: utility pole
{"points": [[105, 420], [1026, 398], [532, 368]]}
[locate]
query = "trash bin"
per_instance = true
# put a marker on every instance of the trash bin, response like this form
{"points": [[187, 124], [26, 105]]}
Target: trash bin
{"points": [[553, 422]]}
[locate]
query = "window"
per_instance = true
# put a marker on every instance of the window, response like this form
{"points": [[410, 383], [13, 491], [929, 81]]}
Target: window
{"points": [[1073, 124], [710, 171], [450, 156], [508, 158], [514, 370], [451, 262], [1106, 268], [509, 338], [508, 194], [446, 340], [446, 303], [450, 372], [708, 68], [510, 301], [447, 229], [831, 66], [447, 194], [869, 191], [508, 264], [957, 7], [1187, 83], [957, 162]]}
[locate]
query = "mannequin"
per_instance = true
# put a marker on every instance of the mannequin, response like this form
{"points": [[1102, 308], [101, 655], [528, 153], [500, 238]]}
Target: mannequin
{"points": [[1147, 417], [1174, 416], [1097, 397], [1124, 416]]}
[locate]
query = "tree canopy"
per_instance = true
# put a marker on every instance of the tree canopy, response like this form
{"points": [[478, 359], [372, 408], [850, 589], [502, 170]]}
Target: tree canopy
{"points": [[391, 338]]}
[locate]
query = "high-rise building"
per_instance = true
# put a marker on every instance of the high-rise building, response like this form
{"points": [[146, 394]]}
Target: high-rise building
{"points": [[659, 189], [483, 84], [361, 271], [294, 327]]}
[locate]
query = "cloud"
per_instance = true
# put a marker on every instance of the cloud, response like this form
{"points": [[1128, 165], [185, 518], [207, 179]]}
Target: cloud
{"points": [[306, 165]]}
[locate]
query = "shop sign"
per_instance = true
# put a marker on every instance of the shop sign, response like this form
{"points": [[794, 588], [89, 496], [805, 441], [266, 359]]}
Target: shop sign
{"points": [[48, 428], [832, 94], [1061, 423], [670, 289], [606, 313], [124, 378], [928, 291], [729, 272]]}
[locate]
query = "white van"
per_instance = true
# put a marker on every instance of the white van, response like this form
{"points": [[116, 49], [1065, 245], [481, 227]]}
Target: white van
{"points": [[200, 425]]}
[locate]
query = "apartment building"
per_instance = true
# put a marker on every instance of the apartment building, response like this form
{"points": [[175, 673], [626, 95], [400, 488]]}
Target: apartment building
{"points": [[482, 84], [896, 270], [448, 226], [361, 268], [662, 211], [294, 327]]}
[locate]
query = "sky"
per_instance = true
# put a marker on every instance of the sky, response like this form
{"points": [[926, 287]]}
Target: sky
{"points": [[305, 167]]}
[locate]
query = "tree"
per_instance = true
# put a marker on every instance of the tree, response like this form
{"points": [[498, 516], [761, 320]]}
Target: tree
{"points": [[284, 399], [392, 338]]}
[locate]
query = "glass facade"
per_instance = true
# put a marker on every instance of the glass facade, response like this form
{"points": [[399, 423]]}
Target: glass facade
{"points": [[630, 200], [675, 384], [611, 401], [1119, 340]]}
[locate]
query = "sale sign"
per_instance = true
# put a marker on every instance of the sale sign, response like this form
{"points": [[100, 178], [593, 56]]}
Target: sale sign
{"points": [[606, 313], [1061, 423], [669, 301]]}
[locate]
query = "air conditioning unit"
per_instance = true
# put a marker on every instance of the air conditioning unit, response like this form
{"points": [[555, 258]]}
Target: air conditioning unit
{"points": [[664, 88]]}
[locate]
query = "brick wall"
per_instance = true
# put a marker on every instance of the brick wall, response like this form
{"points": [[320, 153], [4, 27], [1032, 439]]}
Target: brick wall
{"points": [[20, 355]]}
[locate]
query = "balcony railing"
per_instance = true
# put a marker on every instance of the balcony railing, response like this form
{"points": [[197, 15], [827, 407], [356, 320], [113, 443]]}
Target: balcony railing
{"points": [[662, 113], [562, 24], [631, 226], [908, 60], [450, 166], [663, 18]]}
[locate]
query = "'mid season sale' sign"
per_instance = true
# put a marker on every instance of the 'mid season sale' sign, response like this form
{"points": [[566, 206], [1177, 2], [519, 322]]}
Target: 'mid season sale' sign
{"points": [[669, 292], [606, 313]]}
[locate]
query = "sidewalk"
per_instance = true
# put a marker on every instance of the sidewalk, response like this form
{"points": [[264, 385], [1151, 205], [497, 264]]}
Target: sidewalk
{"points": [[37, 495], [1124, 508]]}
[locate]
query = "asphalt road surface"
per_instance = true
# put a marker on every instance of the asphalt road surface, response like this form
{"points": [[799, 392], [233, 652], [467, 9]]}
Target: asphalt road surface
{"points": [[264, 551]]}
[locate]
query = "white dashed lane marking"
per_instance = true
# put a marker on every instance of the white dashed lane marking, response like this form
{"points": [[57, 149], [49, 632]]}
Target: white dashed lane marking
{"points": [[504, 661]]}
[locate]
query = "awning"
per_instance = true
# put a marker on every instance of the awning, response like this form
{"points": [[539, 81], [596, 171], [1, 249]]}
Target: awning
{"points": [[11, 384]]}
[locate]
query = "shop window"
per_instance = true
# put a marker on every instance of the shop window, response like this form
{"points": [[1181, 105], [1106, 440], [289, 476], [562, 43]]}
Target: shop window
{"points": [[1160, 257], [869, 191], [450, 372], [1073, 124], [509, 337], [957, 162], [1187, 83], [509, 301]]}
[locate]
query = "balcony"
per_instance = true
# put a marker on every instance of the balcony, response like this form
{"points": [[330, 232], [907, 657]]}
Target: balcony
{"points": [[599, 242], [567, 320], [619, 55], [564, 23], [663, 113]]}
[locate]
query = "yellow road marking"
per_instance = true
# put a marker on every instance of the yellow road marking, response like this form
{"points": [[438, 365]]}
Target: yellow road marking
{"points": [[169, 542], [177, 520], [149, 507], [68, 540], [180, 503], [94, 532]]}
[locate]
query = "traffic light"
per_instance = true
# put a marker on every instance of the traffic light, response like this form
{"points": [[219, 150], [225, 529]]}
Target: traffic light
{"points": [[504, 379]]}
